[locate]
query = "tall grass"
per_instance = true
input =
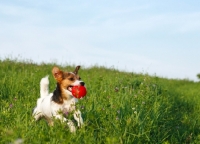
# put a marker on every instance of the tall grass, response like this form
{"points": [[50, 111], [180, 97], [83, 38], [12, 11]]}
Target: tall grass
{"points": [[119, 107]]}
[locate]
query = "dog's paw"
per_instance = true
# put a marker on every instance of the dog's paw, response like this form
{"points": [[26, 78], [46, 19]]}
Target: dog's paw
{"points": [[72, 129], [71, 126]]}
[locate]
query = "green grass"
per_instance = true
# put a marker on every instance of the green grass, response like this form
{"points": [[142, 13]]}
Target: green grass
{"points": [[119, 107]]}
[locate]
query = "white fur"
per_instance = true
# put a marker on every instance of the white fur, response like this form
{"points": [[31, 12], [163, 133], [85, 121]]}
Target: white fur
{"points": [[48, 109], [44, 86]]}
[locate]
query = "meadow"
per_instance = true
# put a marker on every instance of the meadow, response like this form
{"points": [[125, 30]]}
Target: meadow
{"points": [[120, 107]]}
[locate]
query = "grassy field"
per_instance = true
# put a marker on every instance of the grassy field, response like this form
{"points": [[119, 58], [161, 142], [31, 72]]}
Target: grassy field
{"points": [[120, 108]]}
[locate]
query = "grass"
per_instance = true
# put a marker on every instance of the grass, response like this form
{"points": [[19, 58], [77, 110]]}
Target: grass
{"points": [[119, 108]]}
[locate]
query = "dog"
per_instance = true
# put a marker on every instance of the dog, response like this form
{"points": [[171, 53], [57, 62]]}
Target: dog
{"points": [[54, 105]]}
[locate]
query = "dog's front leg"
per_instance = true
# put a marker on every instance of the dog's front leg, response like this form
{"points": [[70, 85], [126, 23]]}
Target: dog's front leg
{"points": [[69, 122], [78, 118]]}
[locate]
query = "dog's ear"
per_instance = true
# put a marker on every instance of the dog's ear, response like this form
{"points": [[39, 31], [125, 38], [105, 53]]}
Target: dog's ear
{"points": [[57, 73], [76, 70]]}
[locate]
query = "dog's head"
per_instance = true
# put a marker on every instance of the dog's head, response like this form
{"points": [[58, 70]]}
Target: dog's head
{"points": [[66, 80]]}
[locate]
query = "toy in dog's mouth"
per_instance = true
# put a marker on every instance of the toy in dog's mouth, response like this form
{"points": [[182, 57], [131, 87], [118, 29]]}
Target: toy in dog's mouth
{"points": [[78, 91]]}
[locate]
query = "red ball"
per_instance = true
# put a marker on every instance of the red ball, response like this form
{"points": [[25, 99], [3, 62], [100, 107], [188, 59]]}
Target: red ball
{"points": [[79, 91]]}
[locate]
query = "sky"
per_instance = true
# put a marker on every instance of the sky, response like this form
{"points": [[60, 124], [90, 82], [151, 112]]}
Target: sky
{"points": [[157, 37]]}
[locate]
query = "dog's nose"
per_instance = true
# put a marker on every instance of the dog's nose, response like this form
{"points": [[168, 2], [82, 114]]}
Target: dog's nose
{"points": [[82, 83]]}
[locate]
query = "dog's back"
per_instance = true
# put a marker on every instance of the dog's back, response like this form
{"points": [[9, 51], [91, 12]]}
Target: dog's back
{"points": [[44, 92]]}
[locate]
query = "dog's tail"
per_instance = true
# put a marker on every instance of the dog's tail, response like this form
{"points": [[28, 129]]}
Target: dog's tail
{"points": [[44, 86]]}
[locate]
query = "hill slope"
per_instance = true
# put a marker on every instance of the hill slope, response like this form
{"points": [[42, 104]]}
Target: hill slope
{"points": [[119, 107]]}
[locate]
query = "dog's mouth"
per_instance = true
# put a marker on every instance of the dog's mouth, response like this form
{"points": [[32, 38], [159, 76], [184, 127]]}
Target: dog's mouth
{"points": [[69, 88]]}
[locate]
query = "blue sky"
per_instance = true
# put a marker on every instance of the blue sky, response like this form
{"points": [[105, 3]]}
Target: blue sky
{"points": [[156, 37]]}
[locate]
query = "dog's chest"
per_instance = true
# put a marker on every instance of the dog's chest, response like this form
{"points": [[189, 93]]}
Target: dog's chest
{"points": [[69, 105]]}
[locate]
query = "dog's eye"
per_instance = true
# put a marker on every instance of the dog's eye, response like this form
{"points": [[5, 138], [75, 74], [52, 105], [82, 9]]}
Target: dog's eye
{"points": [[71, 79]]}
